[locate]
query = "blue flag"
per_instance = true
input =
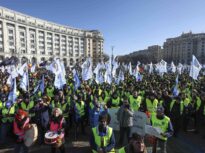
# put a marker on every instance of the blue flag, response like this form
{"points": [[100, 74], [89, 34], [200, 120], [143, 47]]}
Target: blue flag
{"points": [[42, 85], [76, 79], [176, 90], [12, 95]]}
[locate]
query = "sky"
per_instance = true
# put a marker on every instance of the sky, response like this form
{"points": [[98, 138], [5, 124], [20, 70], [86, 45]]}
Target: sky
{"points": [[128, 25]]}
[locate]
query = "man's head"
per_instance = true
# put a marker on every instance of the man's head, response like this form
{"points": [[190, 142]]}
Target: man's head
{"points": [[135, 94], [137, 143], [160, 112], [103, 120]]}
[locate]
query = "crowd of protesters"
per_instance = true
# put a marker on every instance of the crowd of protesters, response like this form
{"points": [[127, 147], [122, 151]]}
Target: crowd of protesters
{"points": [[84, 107]]}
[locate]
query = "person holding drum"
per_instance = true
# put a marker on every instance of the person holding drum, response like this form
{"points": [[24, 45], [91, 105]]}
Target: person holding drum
{"points": [[20, 125], [55, 135]]}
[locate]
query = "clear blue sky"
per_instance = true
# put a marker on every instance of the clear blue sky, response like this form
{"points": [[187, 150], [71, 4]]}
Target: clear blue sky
{"points": [[128, 25]]}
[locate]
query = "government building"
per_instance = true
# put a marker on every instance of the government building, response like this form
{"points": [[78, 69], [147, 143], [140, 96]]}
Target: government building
{"points": [[180, 49], [36, 40]]}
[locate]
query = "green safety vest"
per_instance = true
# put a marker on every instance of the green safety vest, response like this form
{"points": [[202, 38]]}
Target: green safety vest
{"points": [[102, 140], [91, 105], [55, 104], [8, 112], [81, 108], [181, 106], [1, 105], [63, 108], [50, 92], [121, 150], [162, 124], [28, 107], [151, 107], [116, 102], [135, 102], [187, 101], [103, 100], [198, 103]]}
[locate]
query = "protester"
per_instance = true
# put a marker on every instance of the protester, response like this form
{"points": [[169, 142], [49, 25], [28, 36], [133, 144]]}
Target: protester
{"points": [[163, 122], [135, 145], [102, 138], [125, 117], [57, 124], [20, 125]]}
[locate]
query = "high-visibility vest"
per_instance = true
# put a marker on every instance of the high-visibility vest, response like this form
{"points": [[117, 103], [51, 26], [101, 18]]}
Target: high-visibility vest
{"points": [[187, 101], [80, 108], [63, 108], [1, 105], [50, 92], [28, 107], [198, 103], [162, 124], [151, 107], [8, 114], [135, 102], [55, 104], [115, 102], [181, 106], [121, 150], [102, 141]]}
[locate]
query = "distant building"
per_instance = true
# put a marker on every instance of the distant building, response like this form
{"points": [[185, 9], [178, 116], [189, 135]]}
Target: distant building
{"points": [[38, 40], [180, 49], [151, 54]]}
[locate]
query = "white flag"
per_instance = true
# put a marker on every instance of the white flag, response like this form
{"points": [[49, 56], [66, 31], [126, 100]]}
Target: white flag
{"points": [[195, 68], [130, 68], [173, 67]]}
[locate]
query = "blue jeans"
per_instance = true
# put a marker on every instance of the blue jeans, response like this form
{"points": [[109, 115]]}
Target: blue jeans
{"points": [[5, 128], [20, 148]]}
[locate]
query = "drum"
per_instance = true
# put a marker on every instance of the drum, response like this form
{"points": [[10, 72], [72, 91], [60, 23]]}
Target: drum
{"points": [[31, 135], [52, 138]]}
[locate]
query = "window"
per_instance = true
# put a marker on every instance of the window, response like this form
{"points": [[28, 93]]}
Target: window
{"points": [[11, 43], [11, 31], [21, 33], [11, 38]]}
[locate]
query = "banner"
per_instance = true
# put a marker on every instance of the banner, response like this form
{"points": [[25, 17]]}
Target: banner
{"points": [[139, 122], [114, 123]]}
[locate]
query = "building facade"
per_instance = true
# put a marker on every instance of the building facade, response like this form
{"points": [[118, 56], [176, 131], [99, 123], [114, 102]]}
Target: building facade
{"points": [[37, 40], [152, 54], [181, 49]]}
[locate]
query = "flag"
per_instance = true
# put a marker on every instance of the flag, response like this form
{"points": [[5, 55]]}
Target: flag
{"points": [[22, 69], [24, 81], [179, 68], [162, 67], [76, 79], [130, 68], [176, 89], [150, 68], [108, 74], [59, 81], [87, 70], [33, 68], [42, 85], [9, 80], [12, 95], [195, 68], [173, 67]]}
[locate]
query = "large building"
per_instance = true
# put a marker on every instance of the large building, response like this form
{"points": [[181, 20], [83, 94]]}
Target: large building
{"points": [[180, 49], [151, 54], [37, 40]]}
